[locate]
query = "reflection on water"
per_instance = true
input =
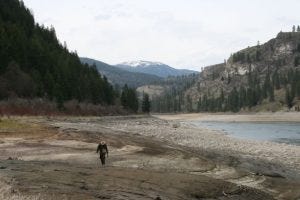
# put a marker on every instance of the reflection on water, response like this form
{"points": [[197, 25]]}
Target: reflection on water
{"points": [[277, 132]]}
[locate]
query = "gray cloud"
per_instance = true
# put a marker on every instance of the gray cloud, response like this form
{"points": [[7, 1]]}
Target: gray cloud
{"points": [[177, 32]]}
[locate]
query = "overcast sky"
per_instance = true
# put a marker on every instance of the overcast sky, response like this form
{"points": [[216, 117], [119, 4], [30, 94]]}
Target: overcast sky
{"points": [[181, 33]]}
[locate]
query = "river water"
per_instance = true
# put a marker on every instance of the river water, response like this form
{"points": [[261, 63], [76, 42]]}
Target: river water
{"points": [[276, 132]]}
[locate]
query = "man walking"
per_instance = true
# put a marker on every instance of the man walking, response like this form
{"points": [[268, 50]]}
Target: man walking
{"points": [[102, 149]]}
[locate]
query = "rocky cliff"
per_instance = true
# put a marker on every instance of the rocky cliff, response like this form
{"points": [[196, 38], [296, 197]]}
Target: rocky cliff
{"points": [[256, 71]]}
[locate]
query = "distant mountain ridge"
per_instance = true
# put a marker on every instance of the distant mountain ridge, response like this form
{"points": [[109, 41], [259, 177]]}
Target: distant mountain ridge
{"points": [[120, 76], [153, 68]]}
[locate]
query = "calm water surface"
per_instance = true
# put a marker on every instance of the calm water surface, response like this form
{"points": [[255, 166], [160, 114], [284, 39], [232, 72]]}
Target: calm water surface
{"points": [[276, 132]]}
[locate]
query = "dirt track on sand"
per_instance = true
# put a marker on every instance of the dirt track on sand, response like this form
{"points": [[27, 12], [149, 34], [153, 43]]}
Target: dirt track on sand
{"points": [[54, 158]]}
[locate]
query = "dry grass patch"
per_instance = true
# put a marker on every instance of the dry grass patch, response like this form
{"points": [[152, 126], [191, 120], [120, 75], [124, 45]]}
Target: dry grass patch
{"points": [[8, 193], [16, 127], [10, 124]]}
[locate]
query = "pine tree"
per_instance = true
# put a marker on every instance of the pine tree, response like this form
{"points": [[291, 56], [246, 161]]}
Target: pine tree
{"points": [[133, 99], [204, 103], [297, 60], [235, 100], [58, 97], [250, 97], [129, 99], [288, 98], [242, 97], [199, 104], [124, 98], [222, 97], [294, 28], [49, 87], [298, 28], [276, 80], [146, 103], [267, 86], [189, 103], [271, 92], [297, 83], [257, 55], [294, 85]]}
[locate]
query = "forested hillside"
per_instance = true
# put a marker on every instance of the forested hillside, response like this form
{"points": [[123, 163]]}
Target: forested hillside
{"points": [[261, 78], [33, 63], [168, 95]]}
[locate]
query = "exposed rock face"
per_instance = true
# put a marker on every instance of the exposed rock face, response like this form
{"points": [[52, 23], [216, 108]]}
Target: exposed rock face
{"points": [[278, 54]]}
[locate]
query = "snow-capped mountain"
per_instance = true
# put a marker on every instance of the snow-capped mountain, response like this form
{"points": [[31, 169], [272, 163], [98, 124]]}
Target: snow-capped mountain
{"points": [[154, 68], [121, 77], [140, 63]]}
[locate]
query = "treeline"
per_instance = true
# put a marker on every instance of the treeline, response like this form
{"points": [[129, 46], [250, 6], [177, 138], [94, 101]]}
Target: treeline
{"points": [[130, 101], [33, 63], [256, 91], [247, 57], [129, 98], [173, 99]]}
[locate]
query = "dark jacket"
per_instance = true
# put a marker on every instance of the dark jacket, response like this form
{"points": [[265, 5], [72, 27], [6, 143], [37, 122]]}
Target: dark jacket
{"points": [[102, 148]]}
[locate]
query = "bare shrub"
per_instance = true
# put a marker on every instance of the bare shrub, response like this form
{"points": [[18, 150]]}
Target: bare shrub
{"points": [[17, 106], [75, 108]]}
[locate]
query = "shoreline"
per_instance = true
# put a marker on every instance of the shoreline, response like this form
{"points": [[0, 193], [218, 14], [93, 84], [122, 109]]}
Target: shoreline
{"points": [[277, 132], [284, 156], [231, 117]]}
